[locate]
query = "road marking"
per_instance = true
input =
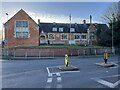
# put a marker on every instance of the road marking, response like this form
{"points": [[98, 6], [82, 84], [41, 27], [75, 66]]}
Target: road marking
{"points": [[49, 74], [106, 83], [58, 74], [49, 80], [116, 83], [116, 66], [59, 85], [3, 60], [66, 72], [58, 79]]}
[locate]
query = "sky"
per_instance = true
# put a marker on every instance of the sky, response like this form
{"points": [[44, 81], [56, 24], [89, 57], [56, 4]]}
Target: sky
{"points": [[56, 11]]}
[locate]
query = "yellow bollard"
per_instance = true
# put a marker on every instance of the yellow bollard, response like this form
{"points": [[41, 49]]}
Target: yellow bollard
{"points": [[66, 60], [105, 57]]}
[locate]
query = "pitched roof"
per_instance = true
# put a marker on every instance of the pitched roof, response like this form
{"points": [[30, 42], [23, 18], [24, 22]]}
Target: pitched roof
{"points": [[47, 27], [21, 10], [79, 28]]}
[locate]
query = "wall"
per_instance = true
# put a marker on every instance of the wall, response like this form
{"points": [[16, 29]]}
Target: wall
{"points": [[54, 52], [9, 31]]}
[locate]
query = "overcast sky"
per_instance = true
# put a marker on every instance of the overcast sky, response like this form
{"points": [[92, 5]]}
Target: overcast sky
{"points": [[57, 11]]}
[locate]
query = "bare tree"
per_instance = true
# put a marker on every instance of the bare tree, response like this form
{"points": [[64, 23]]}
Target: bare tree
{"points": [[108, 15]]}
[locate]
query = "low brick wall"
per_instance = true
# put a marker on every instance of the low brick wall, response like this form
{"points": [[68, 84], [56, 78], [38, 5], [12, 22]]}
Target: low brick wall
{"points": [[54, 52]]}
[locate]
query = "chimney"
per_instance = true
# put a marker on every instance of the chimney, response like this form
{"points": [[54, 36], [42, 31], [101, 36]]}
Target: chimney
{"points": [[38, 21], [90, 19], [84, 22]]}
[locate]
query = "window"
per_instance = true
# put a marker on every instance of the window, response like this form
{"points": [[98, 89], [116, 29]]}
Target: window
{"points": [[54, 29], [64, 36], [77, 36], [51, 36], [72, 29], [60, 29], [21, 29], [92, 37], [83, 37]]}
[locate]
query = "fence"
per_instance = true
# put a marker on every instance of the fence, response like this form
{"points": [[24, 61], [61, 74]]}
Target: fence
{"points": [[93, 51], [27, 54], [51, 53]]}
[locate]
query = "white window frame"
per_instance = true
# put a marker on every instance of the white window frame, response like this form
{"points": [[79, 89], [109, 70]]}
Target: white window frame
{"points": [[53, 36], [85, 35], [60, 29], [64, 34], [72, 29], [77, 34], [54, 29], [19, 28]]}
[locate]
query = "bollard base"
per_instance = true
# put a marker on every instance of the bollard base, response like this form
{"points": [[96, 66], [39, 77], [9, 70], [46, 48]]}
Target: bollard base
{"points": [[109, 64], [69, 68]]}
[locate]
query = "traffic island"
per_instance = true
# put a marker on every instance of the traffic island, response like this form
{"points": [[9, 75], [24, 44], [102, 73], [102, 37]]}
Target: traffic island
{"points": [[68, 68], [109, 64]]}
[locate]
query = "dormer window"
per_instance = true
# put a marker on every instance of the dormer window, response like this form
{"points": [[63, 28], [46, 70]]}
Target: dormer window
{"points": [[60, 29], [54, 29], [72, 29]]}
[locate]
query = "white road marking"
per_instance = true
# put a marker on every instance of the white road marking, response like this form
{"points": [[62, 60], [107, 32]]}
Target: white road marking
{"points": [[49, 80], [116, 83], [106, 83], [58, 74], [66, 72], [49, 74], [59, 85], [3, 60], [58, 79]]}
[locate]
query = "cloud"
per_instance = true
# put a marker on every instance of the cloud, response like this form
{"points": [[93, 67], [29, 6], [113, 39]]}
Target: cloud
{"points": [[44, 17]]}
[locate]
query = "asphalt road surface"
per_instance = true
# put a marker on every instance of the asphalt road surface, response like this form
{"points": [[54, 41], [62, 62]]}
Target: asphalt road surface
{"points": [[44, 73]]}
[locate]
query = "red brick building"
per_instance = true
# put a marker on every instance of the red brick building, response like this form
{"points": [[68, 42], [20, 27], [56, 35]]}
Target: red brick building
{"points": [[21, 30]]}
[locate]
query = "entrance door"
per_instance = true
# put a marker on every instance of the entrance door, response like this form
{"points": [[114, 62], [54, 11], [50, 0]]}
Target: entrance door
{"points": [[43, 39]]}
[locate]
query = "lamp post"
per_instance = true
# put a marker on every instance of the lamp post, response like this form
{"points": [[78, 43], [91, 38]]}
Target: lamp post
{"points": [[2, 35], [7, 29], [7, 32], [70, 30], [113, 50]]}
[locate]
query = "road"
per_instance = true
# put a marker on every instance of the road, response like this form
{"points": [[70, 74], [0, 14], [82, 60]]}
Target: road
{"points": [[44, 73]]}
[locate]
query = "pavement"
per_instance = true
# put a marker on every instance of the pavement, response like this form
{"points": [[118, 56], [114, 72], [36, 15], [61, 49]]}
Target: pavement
{"points": [[42, 73]]}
